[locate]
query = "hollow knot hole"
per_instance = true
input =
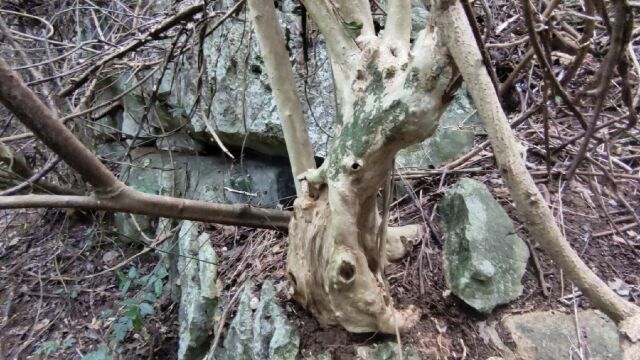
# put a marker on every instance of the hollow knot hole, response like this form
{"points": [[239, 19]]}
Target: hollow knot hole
{"points": [[356, 166], [346, 272]]}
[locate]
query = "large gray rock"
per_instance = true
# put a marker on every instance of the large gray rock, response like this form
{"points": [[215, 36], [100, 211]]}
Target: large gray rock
{"points": [[160, 119], [243, 107], [240, 104], [454, 136], [209, 178], [237, 94], [484, 260], [552, 335], [198, 292], [263, 334]]}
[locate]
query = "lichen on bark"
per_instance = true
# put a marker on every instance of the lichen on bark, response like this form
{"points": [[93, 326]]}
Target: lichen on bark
{"points": [[335, 261]]}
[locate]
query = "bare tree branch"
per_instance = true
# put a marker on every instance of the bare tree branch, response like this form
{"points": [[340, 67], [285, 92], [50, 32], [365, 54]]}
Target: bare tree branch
{"points": [[110, 193], [620, 37], [136, 202], [546, 66], [133, 46], [529, 202], [275, 55], [397, 31], [27, 107]]}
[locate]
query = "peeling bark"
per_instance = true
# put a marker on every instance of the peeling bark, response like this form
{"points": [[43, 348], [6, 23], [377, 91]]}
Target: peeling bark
{"points": [[336, 252]]}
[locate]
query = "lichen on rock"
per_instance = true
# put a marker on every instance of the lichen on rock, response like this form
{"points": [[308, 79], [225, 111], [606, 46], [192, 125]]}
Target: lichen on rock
{"points": [[484, 259]]}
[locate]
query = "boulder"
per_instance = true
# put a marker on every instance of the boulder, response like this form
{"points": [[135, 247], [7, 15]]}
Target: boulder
{"points": [[265, 333], [198, 293], [243, 106], [483, 258], [551, 335], [240, 104]]}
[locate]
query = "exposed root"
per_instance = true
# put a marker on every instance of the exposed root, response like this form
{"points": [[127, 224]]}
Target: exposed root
{"points": [[334, 279], [400, 240]]}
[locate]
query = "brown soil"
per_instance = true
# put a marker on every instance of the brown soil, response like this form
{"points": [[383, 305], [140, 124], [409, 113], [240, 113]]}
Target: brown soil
{"points": [[39, 248]]}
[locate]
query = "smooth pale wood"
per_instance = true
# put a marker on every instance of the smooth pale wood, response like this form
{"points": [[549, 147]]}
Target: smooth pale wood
{"points": [[283, 85]]}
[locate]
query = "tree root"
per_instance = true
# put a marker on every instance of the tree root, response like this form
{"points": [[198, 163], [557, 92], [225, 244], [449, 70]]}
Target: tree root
{"points": [[338, 281]]}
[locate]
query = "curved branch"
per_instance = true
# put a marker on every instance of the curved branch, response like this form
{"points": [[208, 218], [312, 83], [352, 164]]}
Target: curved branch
{"points": [[506, 85], [27, 107], [529, 202], [584, 42], [475, 27], [620, 37], [546, 67], [18, 169], [33, 179]]}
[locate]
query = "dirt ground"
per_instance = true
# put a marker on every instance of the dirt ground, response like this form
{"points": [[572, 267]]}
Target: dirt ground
{"points": [[59, 286], [67, 280]]}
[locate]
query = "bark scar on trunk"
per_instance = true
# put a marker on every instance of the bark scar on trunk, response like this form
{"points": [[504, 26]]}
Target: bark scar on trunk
{"points": [[335, 259]]}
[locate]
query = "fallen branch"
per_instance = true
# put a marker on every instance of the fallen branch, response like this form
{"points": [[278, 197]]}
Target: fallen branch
{"points": [[135, 202]]}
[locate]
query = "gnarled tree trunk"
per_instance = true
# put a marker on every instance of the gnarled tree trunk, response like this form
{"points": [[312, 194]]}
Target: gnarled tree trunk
{"points": [[389, 97]]}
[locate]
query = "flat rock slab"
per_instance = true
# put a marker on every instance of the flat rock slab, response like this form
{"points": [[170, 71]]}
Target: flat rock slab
{"points": [[484, 259], [552, 335]]}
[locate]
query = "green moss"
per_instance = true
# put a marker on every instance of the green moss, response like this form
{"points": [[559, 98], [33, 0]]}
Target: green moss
{"points": [[370, 123], [339, 118], [412, 79]]}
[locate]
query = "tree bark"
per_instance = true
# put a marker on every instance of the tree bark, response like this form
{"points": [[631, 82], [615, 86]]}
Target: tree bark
{"points": [[276, 60], [388, 99]]}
